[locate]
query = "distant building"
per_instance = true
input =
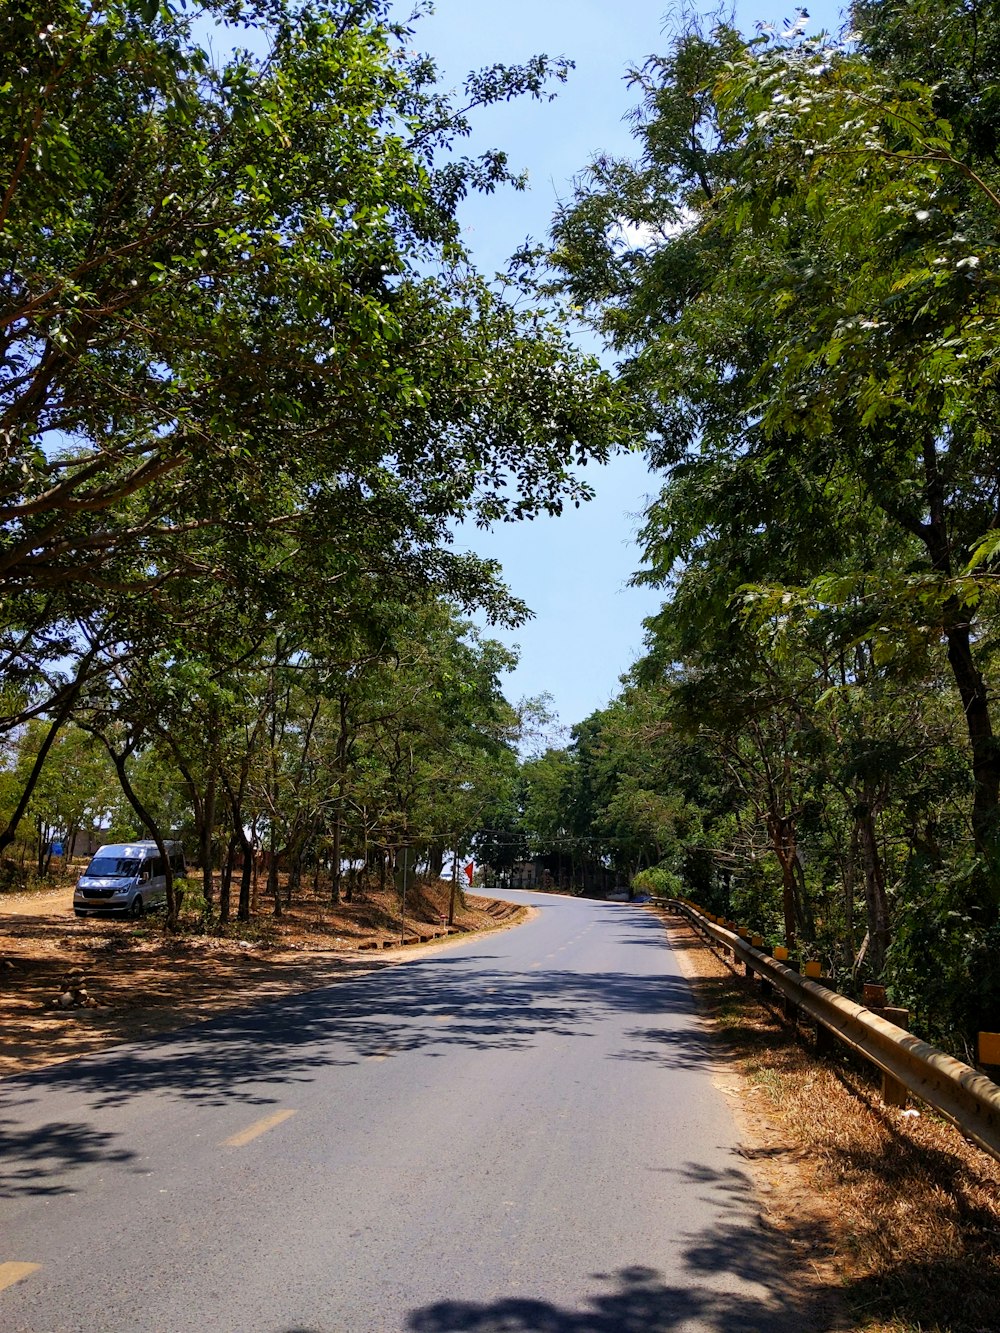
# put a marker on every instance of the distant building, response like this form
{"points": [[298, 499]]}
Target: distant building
{"points": [[529, 875], [554, 872], [85, 843]]}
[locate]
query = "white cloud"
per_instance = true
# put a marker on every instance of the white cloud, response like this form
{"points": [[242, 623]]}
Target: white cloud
{"points": [[643, 235]]}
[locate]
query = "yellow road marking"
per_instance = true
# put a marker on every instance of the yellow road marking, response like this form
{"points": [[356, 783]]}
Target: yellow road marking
{"points": [[261, 1127], [443, 1018], [14, 1272]]}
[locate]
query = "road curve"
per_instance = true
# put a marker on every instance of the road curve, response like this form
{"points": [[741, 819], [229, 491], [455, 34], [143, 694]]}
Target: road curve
{"points": [[520, 1133]]}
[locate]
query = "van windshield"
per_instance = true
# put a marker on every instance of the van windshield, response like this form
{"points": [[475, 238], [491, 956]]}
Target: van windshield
{"points": [[113, 867]]}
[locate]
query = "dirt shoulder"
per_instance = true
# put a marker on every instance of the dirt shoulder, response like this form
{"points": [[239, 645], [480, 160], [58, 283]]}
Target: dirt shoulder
{"points": [[129, 980], [894, 1214]]}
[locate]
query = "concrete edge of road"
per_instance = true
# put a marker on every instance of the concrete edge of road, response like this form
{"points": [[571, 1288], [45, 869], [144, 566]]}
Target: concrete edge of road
{"points": [[433, 944]]}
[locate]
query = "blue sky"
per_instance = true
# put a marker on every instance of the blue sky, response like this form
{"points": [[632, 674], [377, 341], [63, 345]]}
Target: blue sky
{"points": [[573, 571]]}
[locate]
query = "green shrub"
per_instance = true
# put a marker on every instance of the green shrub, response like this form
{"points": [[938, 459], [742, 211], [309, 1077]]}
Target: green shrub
{"points": [[658, 881]]}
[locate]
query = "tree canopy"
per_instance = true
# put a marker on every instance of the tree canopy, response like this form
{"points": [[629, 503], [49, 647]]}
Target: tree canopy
{"points": [[251, 379], [809, 320]]}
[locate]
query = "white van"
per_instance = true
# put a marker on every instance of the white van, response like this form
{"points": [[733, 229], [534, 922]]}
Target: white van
{"points": [[126, 878]]}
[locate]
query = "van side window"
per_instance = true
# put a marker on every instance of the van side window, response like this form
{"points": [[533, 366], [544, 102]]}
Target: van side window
{"points": [[177, 863], [156, 866]]}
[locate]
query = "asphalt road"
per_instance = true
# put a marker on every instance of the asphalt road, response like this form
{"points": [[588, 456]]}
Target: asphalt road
{"points": [[521, 1133]]}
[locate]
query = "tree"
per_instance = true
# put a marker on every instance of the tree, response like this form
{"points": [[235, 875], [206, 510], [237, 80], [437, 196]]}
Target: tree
{"points": [[881, 307], [810, 322], [233, 292], [813, 348], [246, 355], [76, 789]]}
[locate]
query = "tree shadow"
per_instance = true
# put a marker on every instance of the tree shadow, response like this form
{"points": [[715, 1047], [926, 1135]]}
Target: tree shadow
{"points": [[634, 1300], [942, 1268], [672, 1048], [426, 1007], [33, 1161]]}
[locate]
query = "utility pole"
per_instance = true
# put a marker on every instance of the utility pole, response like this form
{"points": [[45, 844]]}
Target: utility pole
{"points": [[453, 899]]}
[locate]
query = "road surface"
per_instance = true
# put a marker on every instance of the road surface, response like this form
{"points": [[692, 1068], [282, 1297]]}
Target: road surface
{"points": [[520, 1133]]}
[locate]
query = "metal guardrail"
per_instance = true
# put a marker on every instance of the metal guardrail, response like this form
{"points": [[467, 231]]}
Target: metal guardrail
{"points": [[958, 1091]]}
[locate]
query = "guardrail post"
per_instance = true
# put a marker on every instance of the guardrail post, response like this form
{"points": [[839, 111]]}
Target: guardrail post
{"points": [[780, 954], [825, 1040], [744, 935], [757, 942], [988, 1049], [875, 998], [791, 1008], [894, 1093]]}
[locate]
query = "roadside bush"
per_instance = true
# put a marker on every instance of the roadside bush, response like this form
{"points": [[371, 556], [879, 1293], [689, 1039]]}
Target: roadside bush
{"points": [[945, 968], [658, 881]]}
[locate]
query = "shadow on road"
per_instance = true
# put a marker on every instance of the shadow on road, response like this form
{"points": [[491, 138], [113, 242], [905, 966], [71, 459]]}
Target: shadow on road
{"points": [[34, 1161], [426, 1007], [637, 1300]]}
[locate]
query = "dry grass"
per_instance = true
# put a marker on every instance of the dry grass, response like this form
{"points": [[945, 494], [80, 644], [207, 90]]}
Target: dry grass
{"points": [[910, 1210]]}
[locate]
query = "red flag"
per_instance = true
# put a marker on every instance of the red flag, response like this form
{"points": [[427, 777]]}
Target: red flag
{"points": [[470, 870]]}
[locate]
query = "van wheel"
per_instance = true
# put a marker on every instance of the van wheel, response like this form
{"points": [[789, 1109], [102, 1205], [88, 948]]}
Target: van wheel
{"points": [[137, 910]]}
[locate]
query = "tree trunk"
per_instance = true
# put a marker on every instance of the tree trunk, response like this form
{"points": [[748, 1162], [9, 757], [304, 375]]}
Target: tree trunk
{"points": [[803, 907], [273, 886], [240, 834], [985, 751], [778, 828], [335, 862], [294, 878], [206, 843], [71, 833], [849, 881], [246, 878], [356, 872], [435, 860], [876, 899], [936, 535], [225, 890]]}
